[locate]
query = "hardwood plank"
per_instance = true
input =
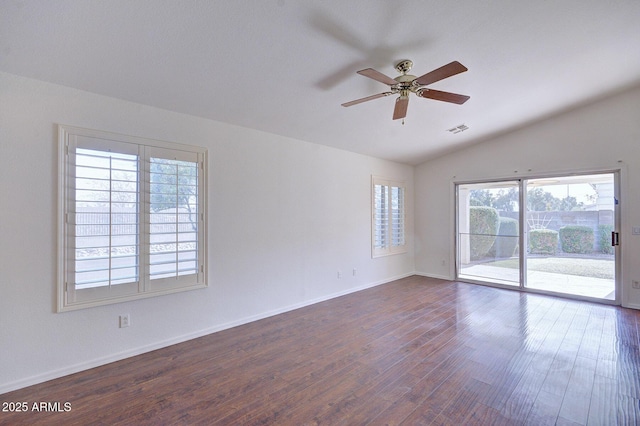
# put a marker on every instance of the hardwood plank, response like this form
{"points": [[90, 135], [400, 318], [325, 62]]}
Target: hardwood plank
{"points": [[481, 415], [558, 377], [464, 401], [628, 412], [592, 335], [545, 409], [520, 402], [603, 405], [449, 397], [414, 351], [577, 398], [565, 422]]}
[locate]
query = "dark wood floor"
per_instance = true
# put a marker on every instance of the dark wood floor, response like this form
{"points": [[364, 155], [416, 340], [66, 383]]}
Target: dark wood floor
{"points": [[415, 351]]}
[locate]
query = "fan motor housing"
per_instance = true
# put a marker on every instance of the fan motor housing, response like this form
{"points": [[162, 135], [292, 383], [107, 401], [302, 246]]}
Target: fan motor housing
{"points": [[405, 78], [406, 84]]}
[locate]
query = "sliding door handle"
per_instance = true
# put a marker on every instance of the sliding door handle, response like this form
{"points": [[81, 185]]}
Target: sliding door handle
{"points": [[615, 238]]}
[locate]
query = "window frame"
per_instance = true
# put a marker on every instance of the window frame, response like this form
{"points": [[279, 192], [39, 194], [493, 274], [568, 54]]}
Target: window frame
{"points": [[388, 248], [72, 138]]}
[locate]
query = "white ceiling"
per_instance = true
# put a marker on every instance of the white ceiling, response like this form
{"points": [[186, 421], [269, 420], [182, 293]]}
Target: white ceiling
{"points": [[285, 66]]}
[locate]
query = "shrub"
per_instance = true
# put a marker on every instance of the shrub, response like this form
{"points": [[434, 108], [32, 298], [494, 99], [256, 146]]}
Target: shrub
{"points": [[507, 240], [483, 228], [604, 239], [576, 239], [543, 241]]}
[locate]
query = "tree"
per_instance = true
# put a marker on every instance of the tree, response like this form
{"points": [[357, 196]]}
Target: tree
{"points": [[502, 200], [539, 200], [569, 204], [174, 186], [480, 197], [542, 201], [506, 200]]}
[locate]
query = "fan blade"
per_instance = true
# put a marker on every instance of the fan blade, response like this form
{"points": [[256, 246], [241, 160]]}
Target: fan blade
{"points": [[443, 96], [368, 98], [441, 73], [400, 111], [378, 76]]}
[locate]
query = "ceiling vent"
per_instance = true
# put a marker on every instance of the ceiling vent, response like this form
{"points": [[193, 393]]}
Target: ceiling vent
{"points": [[458, 129]]}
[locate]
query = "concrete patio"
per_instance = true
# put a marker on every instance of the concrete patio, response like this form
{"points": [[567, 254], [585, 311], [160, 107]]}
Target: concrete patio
{"points": [[547, 281]]}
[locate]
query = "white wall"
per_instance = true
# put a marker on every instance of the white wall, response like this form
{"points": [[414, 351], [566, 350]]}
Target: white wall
{"points": [[284, 217], [602, 135]]}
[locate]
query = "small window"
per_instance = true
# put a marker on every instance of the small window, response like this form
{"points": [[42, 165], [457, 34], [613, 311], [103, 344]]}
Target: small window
{"points": [[132, 218], [388, 233]]}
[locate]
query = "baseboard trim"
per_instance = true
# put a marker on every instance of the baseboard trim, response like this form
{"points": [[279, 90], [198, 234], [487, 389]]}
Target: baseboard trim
{"points": [[631, 306], [437, 276], [76, 368]]}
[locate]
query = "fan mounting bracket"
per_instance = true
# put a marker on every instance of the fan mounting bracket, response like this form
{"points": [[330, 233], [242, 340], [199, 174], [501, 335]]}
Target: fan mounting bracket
{"points": [[404, 66]]}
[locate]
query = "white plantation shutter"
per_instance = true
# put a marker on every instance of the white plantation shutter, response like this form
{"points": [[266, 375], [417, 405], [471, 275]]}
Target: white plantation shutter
{"points": [[388, 217], [380, 219], [397, 216], [132, 215], [174, 216], [106, 218]]}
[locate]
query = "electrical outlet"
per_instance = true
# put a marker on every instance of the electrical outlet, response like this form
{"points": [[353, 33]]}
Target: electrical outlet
{"points": [[635, 284], [125, 320], [354, 271], [339, 274]]}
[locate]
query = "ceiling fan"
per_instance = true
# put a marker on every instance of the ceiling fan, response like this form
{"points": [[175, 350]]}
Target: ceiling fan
{"points": [[406, 83]]}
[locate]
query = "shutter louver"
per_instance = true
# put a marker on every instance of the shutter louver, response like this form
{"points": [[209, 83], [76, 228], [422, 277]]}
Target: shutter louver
{"points": [[380, 216], [173, 237], [105, 218], [397, 216]]}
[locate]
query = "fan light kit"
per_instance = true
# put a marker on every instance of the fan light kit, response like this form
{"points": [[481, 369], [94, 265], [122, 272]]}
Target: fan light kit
{"points": [[405, 84]]}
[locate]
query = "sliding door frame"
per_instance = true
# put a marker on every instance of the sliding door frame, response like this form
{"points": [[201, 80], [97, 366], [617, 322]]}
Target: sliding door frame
{"points": [[522, 238]]}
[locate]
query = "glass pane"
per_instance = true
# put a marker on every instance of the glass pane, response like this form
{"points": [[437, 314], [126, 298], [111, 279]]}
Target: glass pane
{"points": [[488, 230], [380, 216], [106, 218], [174, 217], [569, 225], [397, 216]]}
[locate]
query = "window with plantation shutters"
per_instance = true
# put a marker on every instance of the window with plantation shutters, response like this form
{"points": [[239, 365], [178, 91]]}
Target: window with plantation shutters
{"points": [[133, 222], [388, 217]]}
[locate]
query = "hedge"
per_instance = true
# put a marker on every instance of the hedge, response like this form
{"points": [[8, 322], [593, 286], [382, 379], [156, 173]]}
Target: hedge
{"points": [[576, 239], [604, 234], [543, 241], [483, 228], [507, 240]]}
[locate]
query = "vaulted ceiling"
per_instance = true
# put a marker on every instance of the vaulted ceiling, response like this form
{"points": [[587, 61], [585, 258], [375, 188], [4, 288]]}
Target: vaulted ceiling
{"points": [[285, 66]]}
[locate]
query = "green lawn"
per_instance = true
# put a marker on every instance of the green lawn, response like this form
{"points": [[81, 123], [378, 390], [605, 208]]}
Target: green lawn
{"points": [[597, 268]]}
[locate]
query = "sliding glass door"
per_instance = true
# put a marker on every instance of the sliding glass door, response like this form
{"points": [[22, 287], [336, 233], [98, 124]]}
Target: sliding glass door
{"points": [[488, 229], [553, 235]]}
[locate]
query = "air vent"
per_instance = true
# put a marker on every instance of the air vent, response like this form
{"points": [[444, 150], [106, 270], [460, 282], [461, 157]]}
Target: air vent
{"points": [[458, 129]]}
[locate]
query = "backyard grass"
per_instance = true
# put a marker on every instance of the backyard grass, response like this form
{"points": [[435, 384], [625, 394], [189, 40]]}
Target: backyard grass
{"points": [[596, 268]]}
